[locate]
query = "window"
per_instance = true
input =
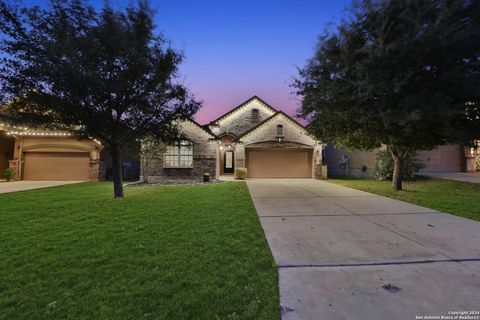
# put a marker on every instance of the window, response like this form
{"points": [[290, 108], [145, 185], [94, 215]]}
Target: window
{"points": [[255, 115], [179, 155], [279, 130]]}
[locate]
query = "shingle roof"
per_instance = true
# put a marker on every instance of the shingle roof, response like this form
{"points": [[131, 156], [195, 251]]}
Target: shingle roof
{"points": [[272, 117], [241, 106]]}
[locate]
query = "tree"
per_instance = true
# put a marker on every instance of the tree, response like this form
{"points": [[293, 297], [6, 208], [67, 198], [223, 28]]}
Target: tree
{"points": [[396, 73], [150, 149], [103, 74]]}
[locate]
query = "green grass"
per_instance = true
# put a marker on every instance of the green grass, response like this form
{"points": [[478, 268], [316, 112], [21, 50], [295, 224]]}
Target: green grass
{"points": [[183, 252], [455, 197]]}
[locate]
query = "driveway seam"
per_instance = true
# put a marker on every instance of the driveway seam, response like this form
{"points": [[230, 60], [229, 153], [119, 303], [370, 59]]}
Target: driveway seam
{"points": [[344, 215], [386, 263]]}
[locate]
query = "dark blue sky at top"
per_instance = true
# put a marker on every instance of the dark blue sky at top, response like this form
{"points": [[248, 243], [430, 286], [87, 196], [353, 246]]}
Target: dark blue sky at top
{"points": [[237, 49]]}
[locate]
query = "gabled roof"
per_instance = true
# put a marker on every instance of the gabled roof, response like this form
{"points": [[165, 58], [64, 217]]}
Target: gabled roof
{"points": [[243, 105], [203, 128], [276, 114]]}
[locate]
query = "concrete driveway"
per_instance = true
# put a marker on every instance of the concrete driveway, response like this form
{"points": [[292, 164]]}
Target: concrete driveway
{"points": [[349, 254], [473, 177], [14, 186]]}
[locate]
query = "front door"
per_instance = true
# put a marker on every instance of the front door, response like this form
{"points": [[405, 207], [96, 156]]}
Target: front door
{"points": [[228, 162]]}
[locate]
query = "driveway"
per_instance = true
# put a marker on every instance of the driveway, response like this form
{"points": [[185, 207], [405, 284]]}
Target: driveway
{"points": [[473, 177], [14, 186], [349, 254]]}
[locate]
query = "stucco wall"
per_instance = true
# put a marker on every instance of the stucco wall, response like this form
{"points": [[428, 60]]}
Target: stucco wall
{"points": [[443, 159], [358, 161], [57, 144]]}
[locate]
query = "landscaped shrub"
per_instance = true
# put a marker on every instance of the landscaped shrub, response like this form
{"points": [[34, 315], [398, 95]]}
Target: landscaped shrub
{"points": [[240, 173], [9, 173], [384, 166]]}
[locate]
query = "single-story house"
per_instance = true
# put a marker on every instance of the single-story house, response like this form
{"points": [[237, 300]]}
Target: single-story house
{"points": [[269, 143], [49, 155], [254, 135], [54, 155], [445, 158]]}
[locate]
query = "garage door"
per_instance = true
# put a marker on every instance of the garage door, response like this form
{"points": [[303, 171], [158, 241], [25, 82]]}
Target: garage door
{"points": [[53, 166], [279, 163]]}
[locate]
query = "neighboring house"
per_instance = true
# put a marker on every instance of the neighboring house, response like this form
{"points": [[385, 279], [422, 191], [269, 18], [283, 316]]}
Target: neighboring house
{"points": [[446, 158], [254, 135], [49, 155]]}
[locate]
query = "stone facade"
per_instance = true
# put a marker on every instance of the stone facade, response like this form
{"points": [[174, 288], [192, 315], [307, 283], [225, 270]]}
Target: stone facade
{"points": [[294, 137], [239, 120], [252, 125], [204, 157]]}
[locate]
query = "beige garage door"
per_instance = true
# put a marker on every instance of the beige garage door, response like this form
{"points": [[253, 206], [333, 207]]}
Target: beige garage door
{"points": [[279, 163], [53, 166]]}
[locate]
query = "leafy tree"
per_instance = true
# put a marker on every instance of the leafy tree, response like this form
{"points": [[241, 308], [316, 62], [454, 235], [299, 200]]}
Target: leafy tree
{"points": [[404, 74], [104, 74], [384, 166], [150, 150]]}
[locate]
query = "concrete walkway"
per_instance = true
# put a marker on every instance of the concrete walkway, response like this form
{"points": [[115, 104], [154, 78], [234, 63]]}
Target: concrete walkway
{"points": [[14, 186], [473, 177], [349, 254]]}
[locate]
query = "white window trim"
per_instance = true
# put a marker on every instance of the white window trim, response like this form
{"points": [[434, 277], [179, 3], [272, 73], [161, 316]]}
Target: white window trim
{"points": [[177, 145]]}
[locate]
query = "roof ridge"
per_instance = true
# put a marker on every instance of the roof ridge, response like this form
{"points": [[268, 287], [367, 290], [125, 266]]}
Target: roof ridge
{"points": [[279, 112], [258, 125], [268, 106], [204, 127]]}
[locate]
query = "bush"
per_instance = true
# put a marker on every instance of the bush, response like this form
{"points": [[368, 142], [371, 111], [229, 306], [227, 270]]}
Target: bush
{"points": [[384, 166], [9, 173], [240, 173]]}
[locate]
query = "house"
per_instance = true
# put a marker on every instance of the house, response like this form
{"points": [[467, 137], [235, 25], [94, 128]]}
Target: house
{"points": [[445, 158], [254, 135], [49, 155]]}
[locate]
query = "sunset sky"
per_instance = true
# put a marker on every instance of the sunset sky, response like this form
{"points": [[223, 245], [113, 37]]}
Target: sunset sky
{"points": [[237, 49]]}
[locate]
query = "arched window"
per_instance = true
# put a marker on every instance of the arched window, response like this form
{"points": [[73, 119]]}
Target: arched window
{"points": [[279, 130], [255, 115], [179, 155]]}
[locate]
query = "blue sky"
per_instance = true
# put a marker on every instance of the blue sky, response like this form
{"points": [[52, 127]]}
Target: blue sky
{"points": [[236, 49]]}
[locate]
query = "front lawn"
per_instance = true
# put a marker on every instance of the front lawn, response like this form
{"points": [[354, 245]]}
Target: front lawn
{"points": [[455, 197], [183, 252]]}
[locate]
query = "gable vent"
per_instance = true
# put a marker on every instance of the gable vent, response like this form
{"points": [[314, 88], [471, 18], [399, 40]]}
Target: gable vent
{"points": [[279, 130], [255, 115]]}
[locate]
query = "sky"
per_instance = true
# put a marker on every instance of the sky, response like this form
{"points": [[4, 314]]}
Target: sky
{"points": [[237, 49]]}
